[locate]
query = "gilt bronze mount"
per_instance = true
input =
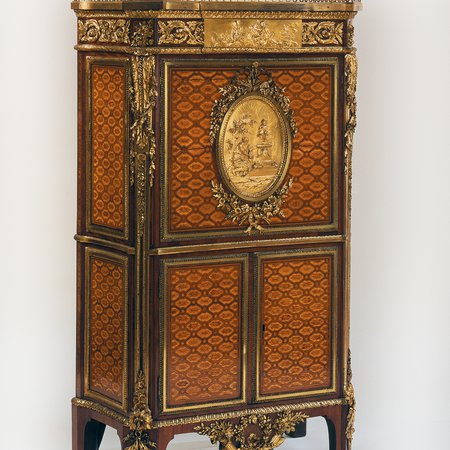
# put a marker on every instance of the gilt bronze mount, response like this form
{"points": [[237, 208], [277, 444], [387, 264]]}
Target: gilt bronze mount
{"points": [[252, 128]]}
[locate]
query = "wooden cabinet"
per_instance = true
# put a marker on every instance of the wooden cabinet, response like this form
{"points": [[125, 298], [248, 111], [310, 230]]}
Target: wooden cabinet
{"points": [[214, 187]]}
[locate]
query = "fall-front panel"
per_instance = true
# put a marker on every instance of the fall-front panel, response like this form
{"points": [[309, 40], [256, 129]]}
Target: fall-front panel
{"points": [[193, 202]]}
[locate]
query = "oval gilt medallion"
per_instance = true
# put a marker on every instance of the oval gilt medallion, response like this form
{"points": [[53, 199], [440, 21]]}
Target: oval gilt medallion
{"points": [[254, 147]]}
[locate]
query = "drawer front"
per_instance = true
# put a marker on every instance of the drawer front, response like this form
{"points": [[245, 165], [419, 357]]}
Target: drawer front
{"points": [[106, 327], [204, 332], [297, 323], [107, 157], [191, 160]]}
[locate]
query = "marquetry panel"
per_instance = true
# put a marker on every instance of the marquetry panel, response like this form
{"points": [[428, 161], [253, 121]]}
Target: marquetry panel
{"points": [[190, 165], [106, 325], [296, 323], [310, 91], [107, 148], [203, 308]]}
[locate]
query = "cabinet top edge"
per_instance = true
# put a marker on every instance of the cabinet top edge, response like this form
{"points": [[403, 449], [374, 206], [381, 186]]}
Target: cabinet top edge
{"points": [[219, 5]]}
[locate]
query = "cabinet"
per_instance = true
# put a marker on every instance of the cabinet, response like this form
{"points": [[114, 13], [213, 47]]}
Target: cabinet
{"points": [[213, 234]]}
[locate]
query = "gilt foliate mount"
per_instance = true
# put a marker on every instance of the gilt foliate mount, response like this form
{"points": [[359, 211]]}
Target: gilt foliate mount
{"points": [[141, 421], [252, 127], [244, 213], [252, 82], [252, 432]]}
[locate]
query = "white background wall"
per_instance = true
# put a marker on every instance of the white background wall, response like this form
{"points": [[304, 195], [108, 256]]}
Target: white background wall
{"points": [[401, 223]]}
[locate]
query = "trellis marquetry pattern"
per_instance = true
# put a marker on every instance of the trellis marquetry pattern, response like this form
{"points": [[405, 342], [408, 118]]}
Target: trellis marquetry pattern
{"points": [[106, 336], [108, 146], [296, 312], [191, 161], [310, 197], [204, 356]]}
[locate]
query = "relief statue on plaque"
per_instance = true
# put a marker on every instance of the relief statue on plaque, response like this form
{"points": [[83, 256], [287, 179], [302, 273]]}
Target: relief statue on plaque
{"points": [[249, 157], [254, 153], [252, 127]]}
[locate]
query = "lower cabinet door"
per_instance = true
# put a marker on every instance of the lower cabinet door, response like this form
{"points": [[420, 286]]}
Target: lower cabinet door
{"points": [[204, 304], [296, 298]]}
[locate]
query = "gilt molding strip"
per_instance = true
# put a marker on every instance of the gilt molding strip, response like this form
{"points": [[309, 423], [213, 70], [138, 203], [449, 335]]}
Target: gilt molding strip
{"points": [[200, 50], [351, 402], [350, 70], [214, 15], [245, 412], [83, 239], [220, 5], [93, 406], [246, 244], [209, 417], [142, 167]]}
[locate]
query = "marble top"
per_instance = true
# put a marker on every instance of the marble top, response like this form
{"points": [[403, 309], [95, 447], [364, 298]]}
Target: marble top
{"points": [[224, 5]]}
